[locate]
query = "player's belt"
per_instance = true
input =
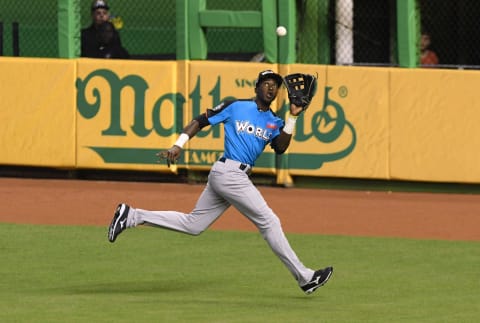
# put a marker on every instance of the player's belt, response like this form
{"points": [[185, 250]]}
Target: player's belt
{"points": [[245, 167]]}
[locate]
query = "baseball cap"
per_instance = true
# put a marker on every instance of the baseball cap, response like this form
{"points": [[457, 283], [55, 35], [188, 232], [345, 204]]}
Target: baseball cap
{"points": [[99, 4], [269, 74]]}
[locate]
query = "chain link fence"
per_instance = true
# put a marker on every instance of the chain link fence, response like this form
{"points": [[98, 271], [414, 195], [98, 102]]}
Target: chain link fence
{"points": [[28, 28], [454, 28], [342, 32], [146, 27], [347, 32], [234, 43]]}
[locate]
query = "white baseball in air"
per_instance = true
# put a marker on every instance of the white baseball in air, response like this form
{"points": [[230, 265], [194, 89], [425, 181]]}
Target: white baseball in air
{"points": [[281, 31]]}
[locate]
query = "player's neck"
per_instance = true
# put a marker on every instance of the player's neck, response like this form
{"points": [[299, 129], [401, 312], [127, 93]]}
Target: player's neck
{"points": [[262, 105]]}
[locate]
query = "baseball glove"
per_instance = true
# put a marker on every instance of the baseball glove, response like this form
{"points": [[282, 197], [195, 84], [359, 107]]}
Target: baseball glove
{"points": [[301, 88]]}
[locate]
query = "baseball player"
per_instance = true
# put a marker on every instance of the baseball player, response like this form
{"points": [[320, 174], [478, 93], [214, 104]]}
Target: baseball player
{"points": [[249, 125]]}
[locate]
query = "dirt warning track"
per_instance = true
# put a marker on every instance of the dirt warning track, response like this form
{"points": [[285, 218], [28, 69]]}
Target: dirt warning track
{"points": [[341, 212]]}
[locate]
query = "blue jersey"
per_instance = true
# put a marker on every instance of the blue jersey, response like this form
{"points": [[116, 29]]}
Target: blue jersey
{"points": [[248, 129]]}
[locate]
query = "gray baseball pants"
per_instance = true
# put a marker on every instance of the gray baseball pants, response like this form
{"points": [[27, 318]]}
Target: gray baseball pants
{"points": [[228, 185]]}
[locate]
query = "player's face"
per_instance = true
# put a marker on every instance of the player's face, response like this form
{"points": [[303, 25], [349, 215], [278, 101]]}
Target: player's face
{"points": [[268, 90]]}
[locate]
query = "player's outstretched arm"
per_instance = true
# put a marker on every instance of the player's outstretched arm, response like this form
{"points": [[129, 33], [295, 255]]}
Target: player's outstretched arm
{"points": [[282, 141], [171, 155]]}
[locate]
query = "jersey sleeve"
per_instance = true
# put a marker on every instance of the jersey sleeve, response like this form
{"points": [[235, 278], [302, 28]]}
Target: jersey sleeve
{"points": [[219, 113], [279, 126]]}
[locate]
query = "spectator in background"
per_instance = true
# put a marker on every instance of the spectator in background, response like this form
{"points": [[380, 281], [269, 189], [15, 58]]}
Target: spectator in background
{"points": [[89, 36], [107, 46], [428, 57]]}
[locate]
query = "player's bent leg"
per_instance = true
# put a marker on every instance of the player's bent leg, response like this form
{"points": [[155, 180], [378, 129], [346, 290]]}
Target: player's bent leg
{"points": [[208, 208], [189, 223]]}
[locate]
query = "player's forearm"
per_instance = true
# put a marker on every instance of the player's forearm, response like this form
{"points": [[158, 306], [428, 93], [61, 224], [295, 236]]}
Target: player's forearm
{"points": [[191, 130], [188, 132], [282, 142], [196, 125]]}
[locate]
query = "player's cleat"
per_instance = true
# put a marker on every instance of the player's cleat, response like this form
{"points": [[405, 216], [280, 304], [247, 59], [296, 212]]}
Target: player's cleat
{"points": [[119, 222], [320, 277]]}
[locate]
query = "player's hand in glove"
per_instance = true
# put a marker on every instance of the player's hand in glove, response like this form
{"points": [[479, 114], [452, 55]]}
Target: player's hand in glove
{"points": [[301, 89], [295, 110], [170, 155]]}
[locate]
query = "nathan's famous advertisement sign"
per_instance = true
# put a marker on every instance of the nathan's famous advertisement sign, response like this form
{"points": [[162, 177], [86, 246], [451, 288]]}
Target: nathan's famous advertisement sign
{"points": [[129, 111]]}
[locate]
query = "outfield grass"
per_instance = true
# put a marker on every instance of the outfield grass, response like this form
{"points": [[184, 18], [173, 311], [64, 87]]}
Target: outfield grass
{"points": [[73, 274]]}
